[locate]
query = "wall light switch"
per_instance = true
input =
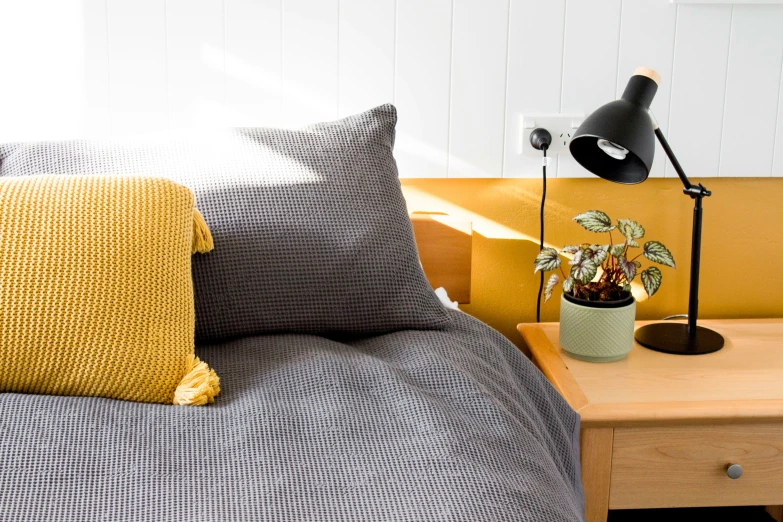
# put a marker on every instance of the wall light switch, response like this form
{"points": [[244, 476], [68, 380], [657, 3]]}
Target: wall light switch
{"points": [[560, 126]]}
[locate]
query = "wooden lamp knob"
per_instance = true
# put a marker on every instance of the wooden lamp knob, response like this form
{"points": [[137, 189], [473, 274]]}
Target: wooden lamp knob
{"points": [[650, 73]]}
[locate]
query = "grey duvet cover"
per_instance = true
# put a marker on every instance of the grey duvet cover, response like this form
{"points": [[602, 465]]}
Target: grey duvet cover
{"points": [[413, 425]]}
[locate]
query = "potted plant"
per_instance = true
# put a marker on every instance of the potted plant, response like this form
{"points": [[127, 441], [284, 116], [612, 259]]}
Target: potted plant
{"points": [[597, 309]]}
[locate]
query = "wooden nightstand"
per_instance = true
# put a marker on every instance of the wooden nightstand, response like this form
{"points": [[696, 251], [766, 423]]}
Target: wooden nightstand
{"points": [[660, 430]]}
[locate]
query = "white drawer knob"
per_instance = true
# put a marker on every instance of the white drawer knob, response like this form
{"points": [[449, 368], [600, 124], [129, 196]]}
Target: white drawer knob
{"points": [[734, 471]]}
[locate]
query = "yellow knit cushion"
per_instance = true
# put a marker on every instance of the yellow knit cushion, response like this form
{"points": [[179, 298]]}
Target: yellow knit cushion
{"points": [[96, 296]]}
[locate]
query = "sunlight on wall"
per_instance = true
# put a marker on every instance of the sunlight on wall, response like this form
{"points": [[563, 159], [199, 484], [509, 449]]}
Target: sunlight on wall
{"points": [[418, 196], [42, 87], [415, 156], [264, 83]]}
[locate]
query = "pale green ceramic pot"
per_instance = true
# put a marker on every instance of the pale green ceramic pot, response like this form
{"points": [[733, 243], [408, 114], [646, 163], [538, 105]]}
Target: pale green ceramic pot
{"points": [[596, 333]]}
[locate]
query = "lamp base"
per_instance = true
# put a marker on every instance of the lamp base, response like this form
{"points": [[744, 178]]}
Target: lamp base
{"points": [[674, 338]]}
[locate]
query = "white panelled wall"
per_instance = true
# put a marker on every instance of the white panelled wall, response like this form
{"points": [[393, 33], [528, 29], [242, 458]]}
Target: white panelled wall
{"points": [[461, 72]]}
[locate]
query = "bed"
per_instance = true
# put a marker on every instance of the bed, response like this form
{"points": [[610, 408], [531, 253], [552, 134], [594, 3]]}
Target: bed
{"points": [[445, 421]]}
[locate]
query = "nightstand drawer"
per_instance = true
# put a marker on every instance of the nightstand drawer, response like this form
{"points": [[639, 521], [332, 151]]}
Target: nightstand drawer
{"points": [[687, 466]]}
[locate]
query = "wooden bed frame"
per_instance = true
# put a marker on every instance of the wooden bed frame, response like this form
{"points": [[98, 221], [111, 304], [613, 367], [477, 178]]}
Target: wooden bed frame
{"points": [[445, 250]]}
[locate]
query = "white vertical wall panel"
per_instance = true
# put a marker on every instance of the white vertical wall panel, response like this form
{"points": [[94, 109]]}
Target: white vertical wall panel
{"points": [[97, 111], [478, 88], [533, 84], [592, 32], [42, 83], [137, 70], [698, 87], [752, 89], [195, 57], [253, 62], [421, 86], [647, 39], [310, 61], [777, 154], [366, 60]]}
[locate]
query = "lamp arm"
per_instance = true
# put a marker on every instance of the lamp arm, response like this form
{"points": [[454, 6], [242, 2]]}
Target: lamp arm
{"points": [[697, 193], [690, 189]]}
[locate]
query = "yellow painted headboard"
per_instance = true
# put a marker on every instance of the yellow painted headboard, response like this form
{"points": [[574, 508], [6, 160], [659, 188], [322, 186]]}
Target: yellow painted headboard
{"points": [[445, 249]]}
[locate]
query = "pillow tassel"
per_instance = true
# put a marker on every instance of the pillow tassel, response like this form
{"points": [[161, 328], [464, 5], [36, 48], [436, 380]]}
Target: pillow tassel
{"points": [[199, 386], [202, 238]]}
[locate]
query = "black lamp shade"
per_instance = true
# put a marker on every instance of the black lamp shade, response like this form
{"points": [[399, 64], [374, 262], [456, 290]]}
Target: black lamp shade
{"points": [[625, 122]]}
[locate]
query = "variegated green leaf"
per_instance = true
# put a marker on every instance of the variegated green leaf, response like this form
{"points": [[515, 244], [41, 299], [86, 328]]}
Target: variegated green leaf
{"points": [[577, 258], [595, 221], [651, 278], [627, 267], [568, 285], [550, 285], [570, 249], [630, 229], [584, 271], [546, 260], [632, 242], [626, 288], [655, 251], [595, 253], [617, 250], [638, 264]]}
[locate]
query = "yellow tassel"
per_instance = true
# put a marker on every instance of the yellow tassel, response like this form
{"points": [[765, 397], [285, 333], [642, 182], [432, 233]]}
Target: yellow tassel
{"points": [[202, 238], [199, 386]]}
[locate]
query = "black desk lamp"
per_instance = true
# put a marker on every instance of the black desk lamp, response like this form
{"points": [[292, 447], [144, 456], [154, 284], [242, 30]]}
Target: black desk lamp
{"points": [[617, 142]]}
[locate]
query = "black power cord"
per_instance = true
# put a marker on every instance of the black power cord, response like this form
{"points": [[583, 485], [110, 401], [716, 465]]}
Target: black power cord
{"points": [[541, 139]]}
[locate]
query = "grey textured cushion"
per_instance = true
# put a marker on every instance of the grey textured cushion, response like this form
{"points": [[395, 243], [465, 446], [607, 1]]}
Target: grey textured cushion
{"points": [[409, 426], [310, 227]]}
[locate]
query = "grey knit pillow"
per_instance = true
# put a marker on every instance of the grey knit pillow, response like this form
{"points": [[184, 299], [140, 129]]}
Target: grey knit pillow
{"points": [[310, 227]]}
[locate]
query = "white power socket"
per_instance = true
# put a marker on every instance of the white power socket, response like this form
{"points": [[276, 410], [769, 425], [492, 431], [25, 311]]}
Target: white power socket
{"points": [[560, 126]]}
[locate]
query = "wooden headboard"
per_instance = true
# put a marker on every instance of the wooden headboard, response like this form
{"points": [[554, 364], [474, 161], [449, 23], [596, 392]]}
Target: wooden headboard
{"points": [[445, 249]]}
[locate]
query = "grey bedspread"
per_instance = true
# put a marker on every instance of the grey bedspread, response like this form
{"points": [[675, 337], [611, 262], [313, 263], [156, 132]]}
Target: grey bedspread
{"points": [[413, 425]]}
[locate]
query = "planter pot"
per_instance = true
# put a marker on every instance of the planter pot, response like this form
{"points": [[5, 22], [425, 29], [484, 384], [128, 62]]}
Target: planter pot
{"points": [[597, 332]]}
